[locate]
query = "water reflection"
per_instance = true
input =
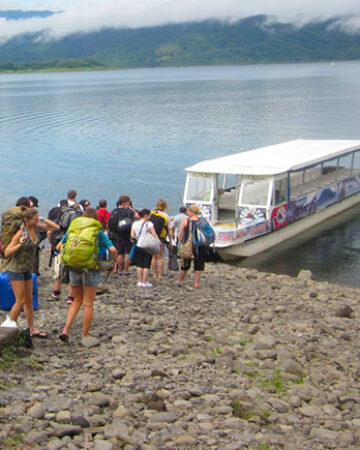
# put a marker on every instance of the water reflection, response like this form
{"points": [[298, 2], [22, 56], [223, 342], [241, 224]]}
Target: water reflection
{"points": [[331, 251]]}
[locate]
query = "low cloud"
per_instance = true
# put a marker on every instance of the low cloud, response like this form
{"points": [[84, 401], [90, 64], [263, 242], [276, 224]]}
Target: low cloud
{"points": [[93, 15]]}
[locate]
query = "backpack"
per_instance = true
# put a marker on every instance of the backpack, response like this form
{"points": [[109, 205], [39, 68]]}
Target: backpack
{"points": [[68, 214], [160, 223], [11, 221], [120, 221], [80, 250], [203, 233]]}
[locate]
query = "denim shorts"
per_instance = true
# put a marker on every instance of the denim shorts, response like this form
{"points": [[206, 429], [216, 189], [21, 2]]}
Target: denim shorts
{"points": [[24, 276], [89, 278]]}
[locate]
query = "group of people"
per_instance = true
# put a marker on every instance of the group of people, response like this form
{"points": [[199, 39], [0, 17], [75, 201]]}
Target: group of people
{"points": [[117, 232]]}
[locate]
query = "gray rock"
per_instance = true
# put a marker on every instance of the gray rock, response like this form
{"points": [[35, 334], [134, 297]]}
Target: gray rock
{"points": [[103, 445], [118, 374], [81, 421], [117, 429], [324, 434], [99, 399], [305, 275], [90, 341], [37, 411], [265, 342], [67, 430], [166, 417], [310, 411], [36, 437]]}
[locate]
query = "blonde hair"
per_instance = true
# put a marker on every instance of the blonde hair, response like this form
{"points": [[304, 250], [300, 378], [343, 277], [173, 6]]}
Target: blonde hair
{"points": [[161, 205]]}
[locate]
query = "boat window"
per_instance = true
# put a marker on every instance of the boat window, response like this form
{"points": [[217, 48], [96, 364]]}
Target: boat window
{"points": [[296, 182], [345, 163], [356, 164], [281, 191], [255, 192], [199, 189]]}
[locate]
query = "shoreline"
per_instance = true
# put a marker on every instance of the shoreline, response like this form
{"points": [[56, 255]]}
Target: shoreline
{"points": [[253, 360]]}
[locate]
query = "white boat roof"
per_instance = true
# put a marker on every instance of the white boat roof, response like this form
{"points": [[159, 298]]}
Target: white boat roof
{"points": [[276, 159]]}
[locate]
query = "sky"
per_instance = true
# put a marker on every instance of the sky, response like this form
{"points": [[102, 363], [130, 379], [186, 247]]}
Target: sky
{"points": [[93, 15]]}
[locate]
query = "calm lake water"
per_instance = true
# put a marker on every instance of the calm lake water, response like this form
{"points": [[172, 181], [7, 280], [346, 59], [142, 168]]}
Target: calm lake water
{"points": [[134, 131]]}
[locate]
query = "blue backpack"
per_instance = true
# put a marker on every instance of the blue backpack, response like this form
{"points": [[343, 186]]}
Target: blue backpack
{"points": [[203, 233]]}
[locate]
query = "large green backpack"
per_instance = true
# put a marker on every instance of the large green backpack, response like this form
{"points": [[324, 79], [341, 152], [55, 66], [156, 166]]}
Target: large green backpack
{"points": [[81, 247], [11, 221]]}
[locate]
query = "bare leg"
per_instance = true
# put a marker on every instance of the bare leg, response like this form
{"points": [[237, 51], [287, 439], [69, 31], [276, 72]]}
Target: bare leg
{"points": [[145, 275], [120, 263], [74, 308], [197, 279], [89, 297], [181, 276], [139, 271], [23, 297], [127, 263], [57, 284]]}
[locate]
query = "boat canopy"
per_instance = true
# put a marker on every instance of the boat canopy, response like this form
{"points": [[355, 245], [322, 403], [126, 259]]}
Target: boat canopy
{"points": [[276, 159]]}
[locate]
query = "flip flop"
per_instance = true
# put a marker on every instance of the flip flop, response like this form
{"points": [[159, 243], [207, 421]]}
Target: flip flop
{"points": [[39, 334]]}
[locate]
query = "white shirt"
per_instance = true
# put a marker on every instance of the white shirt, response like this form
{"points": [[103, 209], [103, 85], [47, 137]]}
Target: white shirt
{"points": [[142, 226]]}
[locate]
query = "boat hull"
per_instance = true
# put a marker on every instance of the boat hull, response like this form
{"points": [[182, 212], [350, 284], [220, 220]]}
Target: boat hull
{"points": [[267, 241]]}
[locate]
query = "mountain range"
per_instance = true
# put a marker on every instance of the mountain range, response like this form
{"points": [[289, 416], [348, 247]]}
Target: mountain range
{"points": [[251, 40]]}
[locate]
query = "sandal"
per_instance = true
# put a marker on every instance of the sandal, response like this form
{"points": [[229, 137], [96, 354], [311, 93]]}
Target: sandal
{"points": [[64, 337], [39, 334]]}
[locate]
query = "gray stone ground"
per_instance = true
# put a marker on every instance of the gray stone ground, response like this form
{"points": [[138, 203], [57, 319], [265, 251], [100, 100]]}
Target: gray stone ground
{"points": [[251, 361]]}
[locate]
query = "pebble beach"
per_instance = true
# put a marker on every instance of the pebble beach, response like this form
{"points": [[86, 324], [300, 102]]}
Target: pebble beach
{"points": [[251, 361]]}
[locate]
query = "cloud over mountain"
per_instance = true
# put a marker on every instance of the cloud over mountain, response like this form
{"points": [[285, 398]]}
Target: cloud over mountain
{"points": [[83, 16]]}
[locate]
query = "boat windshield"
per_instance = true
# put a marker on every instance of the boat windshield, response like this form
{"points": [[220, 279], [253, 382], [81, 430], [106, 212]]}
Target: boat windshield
{"points": [[255, 192], [199, 189]]}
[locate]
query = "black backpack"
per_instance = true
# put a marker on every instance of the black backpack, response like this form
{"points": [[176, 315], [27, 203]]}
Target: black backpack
{"points": [[159, 222], [120, 221]]}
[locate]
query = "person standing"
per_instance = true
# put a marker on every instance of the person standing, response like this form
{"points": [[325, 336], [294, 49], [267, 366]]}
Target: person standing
{"points": [[176, 221], [199, 254], [102, 213], [84, 283], [20, 260], [142, 259], [119, 225], [161, 221]]}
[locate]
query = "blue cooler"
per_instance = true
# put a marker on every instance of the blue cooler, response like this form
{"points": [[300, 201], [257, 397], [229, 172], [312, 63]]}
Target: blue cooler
{"points": [[7, 298]]}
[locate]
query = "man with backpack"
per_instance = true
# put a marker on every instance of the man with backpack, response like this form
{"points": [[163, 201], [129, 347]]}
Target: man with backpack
{"points": [[161, 221], [62, 215], [119, 226]]}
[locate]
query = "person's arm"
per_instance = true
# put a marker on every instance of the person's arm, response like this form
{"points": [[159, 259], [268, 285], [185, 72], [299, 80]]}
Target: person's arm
{"points": [[47, 225], [61, 243], [169, 233], [16, 242], [182, 229], [104, 241], [153, 232]]}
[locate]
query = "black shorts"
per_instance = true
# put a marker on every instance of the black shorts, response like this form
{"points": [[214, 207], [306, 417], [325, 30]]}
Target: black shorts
{"points": [[123, 244], [200, 256], [142, 259]]}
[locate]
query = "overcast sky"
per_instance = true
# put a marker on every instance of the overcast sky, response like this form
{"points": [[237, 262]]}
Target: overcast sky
{"points": [[92, 15]]}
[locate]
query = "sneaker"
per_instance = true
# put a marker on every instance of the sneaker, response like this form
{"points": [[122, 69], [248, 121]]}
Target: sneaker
{"points": [[127, 274], [147, 285], [8, 323], [70, 300], [140, 284], [54, 297]]}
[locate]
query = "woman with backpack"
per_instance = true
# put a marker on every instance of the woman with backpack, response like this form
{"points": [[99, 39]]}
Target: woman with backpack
{"points": [[142, 259], [189, 252], [84, 275], [20, 261]]}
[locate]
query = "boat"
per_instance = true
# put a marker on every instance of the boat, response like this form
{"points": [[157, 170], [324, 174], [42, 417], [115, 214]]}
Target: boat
{"points": [[259, 198]]}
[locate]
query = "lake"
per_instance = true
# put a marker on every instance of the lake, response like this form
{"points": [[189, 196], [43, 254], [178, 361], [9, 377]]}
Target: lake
{"points": [[134, 131]]}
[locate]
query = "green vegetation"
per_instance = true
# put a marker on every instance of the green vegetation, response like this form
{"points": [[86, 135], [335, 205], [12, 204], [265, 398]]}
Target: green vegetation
{"points": [[276, 382], [55, 65], [7, 357], [14, 442], [248, 41]]}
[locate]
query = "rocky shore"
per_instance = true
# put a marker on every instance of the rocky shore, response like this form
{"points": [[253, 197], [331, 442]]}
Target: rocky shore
{"points": [[252, 360]]}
